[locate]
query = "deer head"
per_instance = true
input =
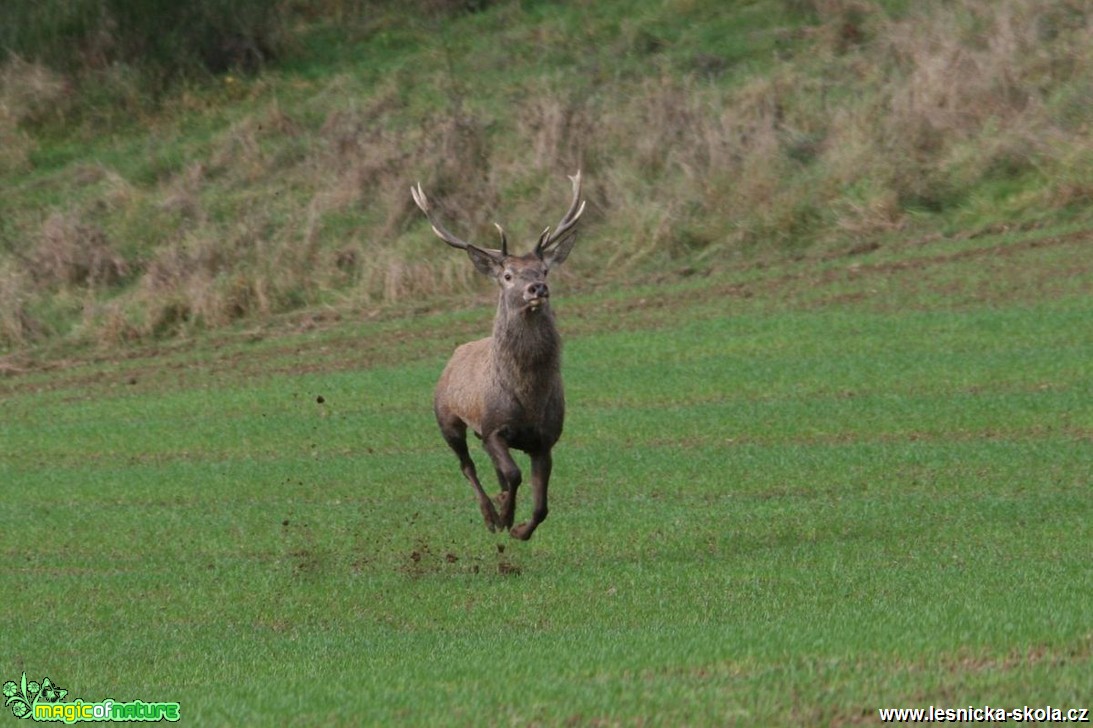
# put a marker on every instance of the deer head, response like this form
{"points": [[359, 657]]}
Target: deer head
{"points": [[522, 277]]}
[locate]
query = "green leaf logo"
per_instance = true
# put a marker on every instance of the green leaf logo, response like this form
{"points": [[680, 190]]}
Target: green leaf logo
{"points": [[22, 697]]}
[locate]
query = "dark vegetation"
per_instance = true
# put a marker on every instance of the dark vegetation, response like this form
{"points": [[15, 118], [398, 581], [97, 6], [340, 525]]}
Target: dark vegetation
{"points": [[159, 39]]}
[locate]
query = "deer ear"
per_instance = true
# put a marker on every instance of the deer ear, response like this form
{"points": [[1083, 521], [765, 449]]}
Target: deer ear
{"points": [[483, 261]]}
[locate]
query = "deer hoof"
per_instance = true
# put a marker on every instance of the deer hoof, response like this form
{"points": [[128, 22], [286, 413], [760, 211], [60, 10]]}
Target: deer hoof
{"points": [[489, 515], [522, 532]]}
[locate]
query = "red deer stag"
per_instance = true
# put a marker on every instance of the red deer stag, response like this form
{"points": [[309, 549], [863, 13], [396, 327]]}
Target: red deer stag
{"points": [[508, 388]]}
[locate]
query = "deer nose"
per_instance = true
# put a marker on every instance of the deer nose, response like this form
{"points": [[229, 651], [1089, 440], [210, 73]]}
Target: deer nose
{"points": [[537, 290]]}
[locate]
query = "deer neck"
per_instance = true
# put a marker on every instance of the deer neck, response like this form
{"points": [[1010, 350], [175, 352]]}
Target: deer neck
{"points": [[526, 349]]}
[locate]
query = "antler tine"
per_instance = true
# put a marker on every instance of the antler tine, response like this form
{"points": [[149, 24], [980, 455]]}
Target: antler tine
{"points": [[565, 225], [441, 232], [504, 239]]}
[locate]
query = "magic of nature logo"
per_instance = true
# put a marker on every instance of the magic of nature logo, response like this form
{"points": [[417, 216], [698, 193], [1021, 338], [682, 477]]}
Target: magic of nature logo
{"points": [[45, 701]]}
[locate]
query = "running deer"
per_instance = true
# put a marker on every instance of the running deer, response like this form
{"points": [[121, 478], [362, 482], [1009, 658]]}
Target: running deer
{"points": [[508, 388]]}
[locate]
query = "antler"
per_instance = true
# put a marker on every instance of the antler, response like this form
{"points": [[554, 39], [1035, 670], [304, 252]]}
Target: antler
{"points": [[563, 232], [442, 232], [565, 227]]}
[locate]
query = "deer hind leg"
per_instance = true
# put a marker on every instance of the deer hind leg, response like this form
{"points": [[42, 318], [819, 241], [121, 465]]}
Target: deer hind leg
{"points": [[456, 436], [541, 464], [508, 474]]}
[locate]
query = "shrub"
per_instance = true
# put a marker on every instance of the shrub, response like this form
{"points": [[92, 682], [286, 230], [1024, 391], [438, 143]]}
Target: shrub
{"points": [[166, 39]]}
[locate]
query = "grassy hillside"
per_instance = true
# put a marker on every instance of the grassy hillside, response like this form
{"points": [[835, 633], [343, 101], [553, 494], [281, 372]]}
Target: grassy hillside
{"points": [[180, 187]]}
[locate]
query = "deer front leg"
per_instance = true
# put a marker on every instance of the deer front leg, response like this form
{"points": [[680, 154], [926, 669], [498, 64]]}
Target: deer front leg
{"points": [[485, 505], [540, 476], [508, 474]]}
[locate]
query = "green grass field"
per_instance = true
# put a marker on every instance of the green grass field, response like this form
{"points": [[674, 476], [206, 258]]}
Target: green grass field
{"points": [[787, 494]]}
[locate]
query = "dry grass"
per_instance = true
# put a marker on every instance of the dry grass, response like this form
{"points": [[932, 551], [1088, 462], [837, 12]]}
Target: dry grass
{"points": [[15, 145], [17, 326], [72, 253], [31, 92], [874, 120]]}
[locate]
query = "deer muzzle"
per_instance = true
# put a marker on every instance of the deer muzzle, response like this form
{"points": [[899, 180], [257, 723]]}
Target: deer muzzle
{"points": [[536, 295]]}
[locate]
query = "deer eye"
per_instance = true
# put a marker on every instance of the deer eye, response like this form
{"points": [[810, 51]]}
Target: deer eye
{"points": [[508, 276]]}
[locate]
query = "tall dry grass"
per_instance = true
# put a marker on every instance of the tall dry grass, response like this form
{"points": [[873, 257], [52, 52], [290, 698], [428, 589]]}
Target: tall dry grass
{"points": [[873, 123]]}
